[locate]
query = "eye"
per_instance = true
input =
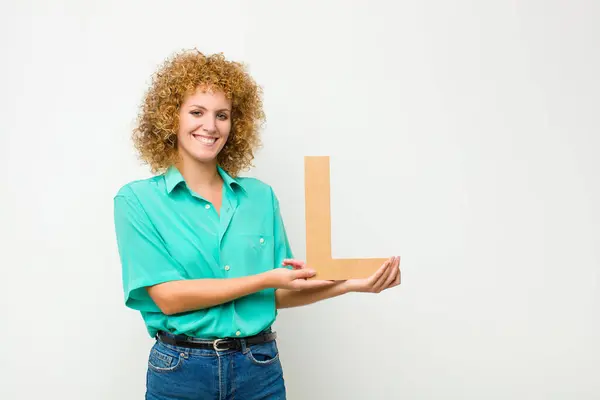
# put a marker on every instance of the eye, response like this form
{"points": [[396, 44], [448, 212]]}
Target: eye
{"points": [[222, 117], [196, 113]]}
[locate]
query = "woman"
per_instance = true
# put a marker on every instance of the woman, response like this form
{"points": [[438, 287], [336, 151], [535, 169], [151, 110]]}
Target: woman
{"points": [[204, 252]]}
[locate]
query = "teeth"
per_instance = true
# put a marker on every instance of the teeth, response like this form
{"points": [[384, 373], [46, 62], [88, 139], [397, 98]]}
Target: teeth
{"points": [[205, 140]]}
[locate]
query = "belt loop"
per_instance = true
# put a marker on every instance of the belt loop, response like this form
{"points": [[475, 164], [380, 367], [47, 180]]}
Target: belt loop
{"points": [[243, 345]]}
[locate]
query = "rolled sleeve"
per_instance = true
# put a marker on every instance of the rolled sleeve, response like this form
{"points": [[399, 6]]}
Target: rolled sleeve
{"points": [[144, 258]]}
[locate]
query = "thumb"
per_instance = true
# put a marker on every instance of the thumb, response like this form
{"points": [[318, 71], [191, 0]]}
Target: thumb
{"points": [[303, 273]]}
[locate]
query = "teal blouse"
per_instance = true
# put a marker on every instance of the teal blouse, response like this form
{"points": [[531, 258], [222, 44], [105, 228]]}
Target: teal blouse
{"points": [[166, 232]]}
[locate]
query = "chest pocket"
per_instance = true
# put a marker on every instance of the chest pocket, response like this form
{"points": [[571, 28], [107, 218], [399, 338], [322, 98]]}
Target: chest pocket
{"points": [[254, 253]]}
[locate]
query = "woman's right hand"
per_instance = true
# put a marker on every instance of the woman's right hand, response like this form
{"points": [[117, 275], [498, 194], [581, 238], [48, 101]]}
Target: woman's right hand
{"points": [[294, 279]]}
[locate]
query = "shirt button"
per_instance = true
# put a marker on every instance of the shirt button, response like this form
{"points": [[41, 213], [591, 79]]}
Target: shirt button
{"points": [[238, 333], [262, 240], [227, 268], [207, 206]]}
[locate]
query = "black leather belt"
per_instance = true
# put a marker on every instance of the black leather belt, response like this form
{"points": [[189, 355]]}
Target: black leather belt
{"points": [[218, 344]]}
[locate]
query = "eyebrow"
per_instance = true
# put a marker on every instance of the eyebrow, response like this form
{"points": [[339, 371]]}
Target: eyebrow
{"points": [[204, 108]]}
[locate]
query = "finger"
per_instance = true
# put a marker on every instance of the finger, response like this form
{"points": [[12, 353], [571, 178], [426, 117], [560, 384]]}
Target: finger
{"points": [[390, 279], [303, 273], [297, 264], [396, 281], [393, 275], [378, 274], [291, 261], [380, 283], [398, 277], [384, 274]]}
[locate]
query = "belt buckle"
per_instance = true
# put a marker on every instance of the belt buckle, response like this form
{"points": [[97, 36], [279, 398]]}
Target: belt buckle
{"points": [[216, 345]]}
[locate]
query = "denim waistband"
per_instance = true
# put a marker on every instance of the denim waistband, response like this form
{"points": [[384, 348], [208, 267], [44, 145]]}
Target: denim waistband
{"points": [[205, 351], [208, 340]]}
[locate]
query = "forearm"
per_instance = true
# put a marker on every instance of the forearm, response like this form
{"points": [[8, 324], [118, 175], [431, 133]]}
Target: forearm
{"points": [[187, 295], [289, 298]]}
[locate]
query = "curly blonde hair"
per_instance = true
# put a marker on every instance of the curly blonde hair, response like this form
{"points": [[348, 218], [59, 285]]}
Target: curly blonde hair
{"points": [[155, 136]]}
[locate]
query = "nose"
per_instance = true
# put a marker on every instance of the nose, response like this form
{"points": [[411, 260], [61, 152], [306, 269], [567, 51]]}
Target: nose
{"points": [[209, 125]]}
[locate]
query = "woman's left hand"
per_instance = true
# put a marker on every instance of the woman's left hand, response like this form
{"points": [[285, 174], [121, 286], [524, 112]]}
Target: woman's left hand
{"points": [[386, 277]]}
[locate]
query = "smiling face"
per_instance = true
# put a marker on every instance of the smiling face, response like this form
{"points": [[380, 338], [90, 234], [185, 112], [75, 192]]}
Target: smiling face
{"points": [[204, 126]]}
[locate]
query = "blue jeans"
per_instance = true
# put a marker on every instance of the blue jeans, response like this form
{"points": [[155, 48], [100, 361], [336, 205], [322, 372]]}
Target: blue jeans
{"points": [[251, 373]]}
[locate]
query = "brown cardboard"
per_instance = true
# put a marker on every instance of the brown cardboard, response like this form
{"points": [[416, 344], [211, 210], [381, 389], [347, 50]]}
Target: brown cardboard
{"points": [[318, 228]]}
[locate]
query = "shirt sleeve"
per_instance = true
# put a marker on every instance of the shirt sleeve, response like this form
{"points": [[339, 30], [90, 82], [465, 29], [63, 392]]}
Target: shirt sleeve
{"points": [[283, 249], [144, 258]]}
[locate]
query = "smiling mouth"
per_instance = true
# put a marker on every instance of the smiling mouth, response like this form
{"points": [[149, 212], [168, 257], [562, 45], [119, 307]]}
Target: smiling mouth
{"points": [[206, 140]]}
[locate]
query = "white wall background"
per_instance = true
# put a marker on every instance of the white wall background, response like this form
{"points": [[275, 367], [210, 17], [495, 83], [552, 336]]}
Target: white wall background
{"points": [[463, 136]]}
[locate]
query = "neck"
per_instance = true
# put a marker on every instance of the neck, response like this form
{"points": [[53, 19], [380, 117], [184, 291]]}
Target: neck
{"points": [[199, 175]]}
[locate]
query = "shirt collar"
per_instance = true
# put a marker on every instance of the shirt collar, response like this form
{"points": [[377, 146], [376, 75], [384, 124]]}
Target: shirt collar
{"points": [[173, 178]]}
